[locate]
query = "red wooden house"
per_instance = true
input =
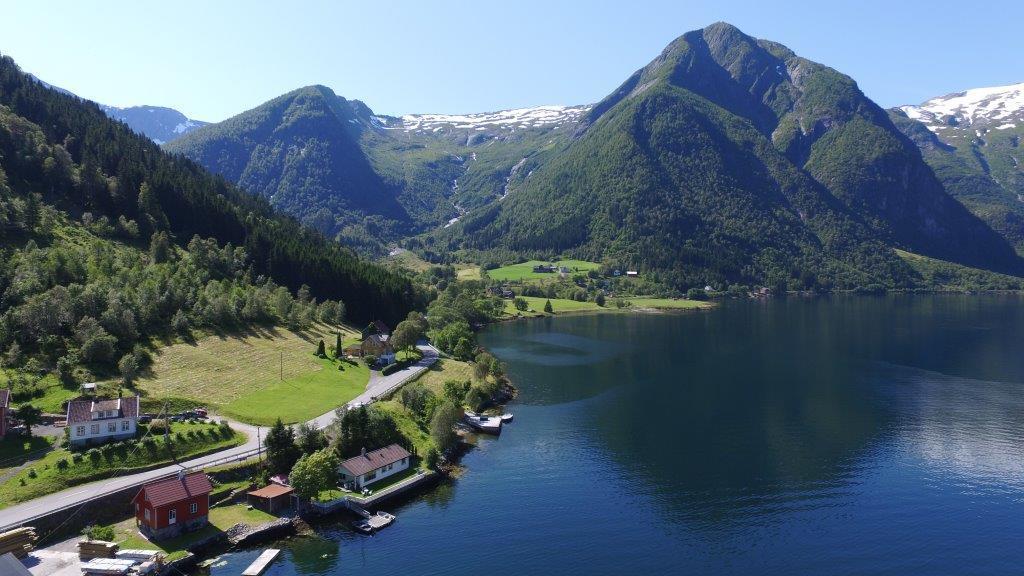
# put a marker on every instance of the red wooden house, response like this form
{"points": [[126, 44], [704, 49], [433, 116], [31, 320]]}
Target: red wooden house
{"points": [[170, 507], [5, 405]]}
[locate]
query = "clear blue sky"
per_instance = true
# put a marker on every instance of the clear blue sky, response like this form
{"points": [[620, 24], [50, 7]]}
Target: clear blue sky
{"points": [[214, 59]]}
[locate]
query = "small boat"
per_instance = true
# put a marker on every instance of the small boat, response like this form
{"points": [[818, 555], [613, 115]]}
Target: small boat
{"points": [[363, 526], [389, 517], [506, 418]]}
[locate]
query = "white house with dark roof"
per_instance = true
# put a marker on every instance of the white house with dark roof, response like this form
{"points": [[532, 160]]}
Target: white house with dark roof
{"points": [[96, 421], [370, 467]]}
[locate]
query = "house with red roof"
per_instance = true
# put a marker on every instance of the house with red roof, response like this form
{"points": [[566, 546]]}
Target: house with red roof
{"points": [[5, 404], [370, 467], [172, 506], [97, 420]]}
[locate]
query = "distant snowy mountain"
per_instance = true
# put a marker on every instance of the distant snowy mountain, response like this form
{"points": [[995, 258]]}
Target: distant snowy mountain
{"points": [[158, 123], [972, 140], [504, 120], [999, 108]]}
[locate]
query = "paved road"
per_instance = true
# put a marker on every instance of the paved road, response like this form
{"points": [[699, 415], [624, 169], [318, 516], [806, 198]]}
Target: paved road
{"points": [[378, 386]]}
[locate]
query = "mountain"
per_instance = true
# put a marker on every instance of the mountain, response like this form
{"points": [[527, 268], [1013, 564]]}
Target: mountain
{"points": [[972, 141], [98, 218], [366, 178], [158, 123], [729, 158]]}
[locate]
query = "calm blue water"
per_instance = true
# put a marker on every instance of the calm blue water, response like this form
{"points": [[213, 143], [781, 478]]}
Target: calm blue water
{"points": [[830, 436]]}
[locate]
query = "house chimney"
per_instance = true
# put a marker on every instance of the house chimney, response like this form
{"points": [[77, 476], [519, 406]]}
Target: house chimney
{"points": [[181, 474], [364, 451]]}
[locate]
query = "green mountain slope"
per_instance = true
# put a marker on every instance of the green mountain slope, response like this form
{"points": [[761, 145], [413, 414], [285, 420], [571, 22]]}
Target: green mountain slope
{"points": [[91, 214], [972, 142], [729, 158], [369, 179]]}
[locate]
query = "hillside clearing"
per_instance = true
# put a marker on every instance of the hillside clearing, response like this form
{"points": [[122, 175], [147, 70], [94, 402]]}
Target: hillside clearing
{"points": [[258, 375], [524, 270]]}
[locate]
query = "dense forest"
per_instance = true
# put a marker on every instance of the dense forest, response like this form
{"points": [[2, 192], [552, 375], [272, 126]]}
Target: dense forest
{"points": [[107, 241]]}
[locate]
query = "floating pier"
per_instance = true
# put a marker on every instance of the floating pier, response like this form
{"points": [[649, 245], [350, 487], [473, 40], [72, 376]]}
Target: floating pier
{"points": [[482, 423], [261, 563], [370, 523]]}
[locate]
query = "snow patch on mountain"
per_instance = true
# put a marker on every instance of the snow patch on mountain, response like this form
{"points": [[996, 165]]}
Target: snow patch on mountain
{"points": [[975, 106], [520, 118]]}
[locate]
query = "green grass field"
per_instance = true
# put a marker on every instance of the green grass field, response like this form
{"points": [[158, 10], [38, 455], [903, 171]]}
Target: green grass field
{"points": [[560, 306], [467, 272], [49, 478], [258, 376], [221, 518], [408, 426], [50, 395], [524, 271], [443, 370], [302, 397], [663, 303]]}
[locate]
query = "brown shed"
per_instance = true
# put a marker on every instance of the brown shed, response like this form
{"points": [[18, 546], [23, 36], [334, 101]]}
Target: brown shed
{"points": [[271, 498]]}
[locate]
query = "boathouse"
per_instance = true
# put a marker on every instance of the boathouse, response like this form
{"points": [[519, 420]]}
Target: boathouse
{"points": [[272, 498]]}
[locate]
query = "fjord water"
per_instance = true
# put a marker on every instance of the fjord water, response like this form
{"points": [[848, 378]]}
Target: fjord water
{"points": [[880, 435]]}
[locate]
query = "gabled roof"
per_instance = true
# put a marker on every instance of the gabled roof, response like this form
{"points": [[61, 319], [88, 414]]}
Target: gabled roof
{"points": [[373, 460], [5, 397], [381, 327], [272, 491], [81, 410], [171, 490]]}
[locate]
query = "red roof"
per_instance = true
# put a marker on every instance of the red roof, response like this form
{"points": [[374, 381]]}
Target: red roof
{"points": [[5, 397], [177, 489], [373, 460]]}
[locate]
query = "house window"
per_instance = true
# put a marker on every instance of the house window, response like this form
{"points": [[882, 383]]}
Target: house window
{"points": [[124, 425], [147, 514], [172, 516], [94, 429], [136, 507], [111, 427], [193, 508], [370, 476], [80, 431]]}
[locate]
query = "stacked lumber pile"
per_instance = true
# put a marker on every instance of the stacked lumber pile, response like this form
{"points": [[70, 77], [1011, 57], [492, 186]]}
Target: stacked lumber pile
{"points": [[18, 541], [89, 549]]}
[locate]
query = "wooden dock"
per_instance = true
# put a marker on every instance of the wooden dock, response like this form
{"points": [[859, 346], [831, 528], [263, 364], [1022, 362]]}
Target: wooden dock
{"points": [[261, 564]]}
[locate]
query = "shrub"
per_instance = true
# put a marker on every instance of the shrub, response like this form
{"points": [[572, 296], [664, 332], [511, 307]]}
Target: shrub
{"points": [[392, 368], [159, 426], [149, 443], [62, 464], [94, 454], [179, 437], [433, 457], [191, 434], [98, 532], [32, 473], [76, 457], [696, 294]]}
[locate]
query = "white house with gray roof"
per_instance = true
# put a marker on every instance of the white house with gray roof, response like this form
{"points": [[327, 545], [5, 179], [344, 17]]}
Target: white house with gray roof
{"points": [[97, 421]]}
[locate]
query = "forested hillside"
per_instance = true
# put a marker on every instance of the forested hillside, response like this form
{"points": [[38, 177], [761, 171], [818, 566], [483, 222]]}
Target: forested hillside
{"points": [[107, 242], [731, 159]]}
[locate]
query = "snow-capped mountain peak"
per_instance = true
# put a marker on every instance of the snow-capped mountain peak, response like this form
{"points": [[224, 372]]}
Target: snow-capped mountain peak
{"points": [[520, 118], [995, 107]]}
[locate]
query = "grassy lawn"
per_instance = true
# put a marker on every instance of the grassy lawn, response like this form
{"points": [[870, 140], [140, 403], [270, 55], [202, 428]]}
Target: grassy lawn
{"points": [[524, 270], [241, 375], [558, 305], [49, 394], [443, 370], [467, 272], [16, 450], [408, 425], [956, 277], [663, 303], [221, 518], [115, 459], [303, 397]]}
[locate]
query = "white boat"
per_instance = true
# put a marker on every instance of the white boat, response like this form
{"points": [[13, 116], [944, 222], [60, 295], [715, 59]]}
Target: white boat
{"points": [[506, 418], [363, 526], [481, 423]]}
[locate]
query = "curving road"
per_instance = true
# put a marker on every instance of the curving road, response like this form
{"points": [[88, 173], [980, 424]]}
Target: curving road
{"points": [[378, 386]]}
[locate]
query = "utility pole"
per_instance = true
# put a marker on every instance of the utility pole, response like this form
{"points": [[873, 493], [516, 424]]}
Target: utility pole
{"points": [[282, 365]]}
